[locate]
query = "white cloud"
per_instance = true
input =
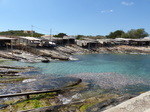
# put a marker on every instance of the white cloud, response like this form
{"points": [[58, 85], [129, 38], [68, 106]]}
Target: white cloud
{"points": [[127, 3], [107, 11]]}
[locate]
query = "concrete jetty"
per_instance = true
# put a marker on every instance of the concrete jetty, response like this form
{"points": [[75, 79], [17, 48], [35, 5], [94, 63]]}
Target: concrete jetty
{"points": [[140, 103]]}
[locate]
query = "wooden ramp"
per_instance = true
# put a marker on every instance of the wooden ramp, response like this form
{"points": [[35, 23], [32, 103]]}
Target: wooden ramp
{"points": [[27, 94]]}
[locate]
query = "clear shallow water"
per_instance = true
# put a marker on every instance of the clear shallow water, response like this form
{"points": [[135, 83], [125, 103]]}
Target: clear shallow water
{"points": [[132, 65]]}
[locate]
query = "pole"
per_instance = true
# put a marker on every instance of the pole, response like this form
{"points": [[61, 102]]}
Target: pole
{"points": [[32, 30], [11, 46], [50, 34]]}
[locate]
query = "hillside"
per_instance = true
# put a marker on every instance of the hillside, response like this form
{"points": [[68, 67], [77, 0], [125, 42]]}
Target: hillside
{"points": [[20, 33]]}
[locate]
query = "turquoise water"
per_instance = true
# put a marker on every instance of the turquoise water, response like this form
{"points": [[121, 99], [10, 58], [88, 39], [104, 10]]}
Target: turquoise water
{"points": [[132, 65]]}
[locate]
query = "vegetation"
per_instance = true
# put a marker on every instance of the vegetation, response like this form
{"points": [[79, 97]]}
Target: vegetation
{"points": [[36, 101], [9, 79], [133, 34], [97, 37], [79, 37], [60, 35], [2, 61], [95, 100], [116, 34], [91, 97], [19, 33]]}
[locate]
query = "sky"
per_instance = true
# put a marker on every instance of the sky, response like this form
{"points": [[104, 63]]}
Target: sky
{"points": [[75, 17]]}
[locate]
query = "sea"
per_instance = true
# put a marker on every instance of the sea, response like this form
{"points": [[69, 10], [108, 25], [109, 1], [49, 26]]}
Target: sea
{"points": [[125, 64], [128, 66]]}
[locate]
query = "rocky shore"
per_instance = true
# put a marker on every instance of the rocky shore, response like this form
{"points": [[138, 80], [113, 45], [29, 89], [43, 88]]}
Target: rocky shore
{"points": [[17, 80], [124, 49], [65, 52], [85, 92], [76, 93], [10, 75]]}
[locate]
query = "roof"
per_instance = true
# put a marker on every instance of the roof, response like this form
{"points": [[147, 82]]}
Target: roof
{"points": [[85, 42], [6, 38], [105, 40], [30, 38], [69, 37], [146, 37], [141, 40], [56, 38], [122, 39], [47, 36]]}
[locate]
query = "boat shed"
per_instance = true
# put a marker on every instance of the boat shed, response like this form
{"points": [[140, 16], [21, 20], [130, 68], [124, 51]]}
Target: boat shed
{"points": [[105, 42], [87, 44], [69, 40], [122, 41], [63, 41], [139, 42], [29, 41], [6, 41]]}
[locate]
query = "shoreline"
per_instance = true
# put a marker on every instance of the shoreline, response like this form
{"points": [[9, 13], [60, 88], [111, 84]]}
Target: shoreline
{"points": [[90, 100], [46, 55]]}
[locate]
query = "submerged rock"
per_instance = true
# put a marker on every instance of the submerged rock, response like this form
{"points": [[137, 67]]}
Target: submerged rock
{"points": [[42, 84], [28, 80], [45, 61], [3, 106], [110, 80]]}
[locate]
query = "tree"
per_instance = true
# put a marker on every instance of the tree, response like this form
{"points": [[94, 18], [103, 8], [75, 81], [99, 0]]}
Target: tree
{"points": [[125, 35], [60, 35], [135, 34], [100, 37], [79, 37], [141, 33], [116, 34]]}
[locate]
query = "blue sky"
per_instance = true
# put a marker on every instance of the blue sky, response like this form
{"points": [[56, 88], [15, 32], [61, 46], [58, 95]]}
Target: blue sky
{"points": [[73, 17]]}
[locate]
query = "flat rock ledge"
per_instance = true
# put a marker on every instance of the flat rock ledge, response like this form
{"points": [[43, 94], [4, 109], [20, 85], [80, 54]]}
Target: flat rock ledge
{"points": [[140, 103], [41, 85]]}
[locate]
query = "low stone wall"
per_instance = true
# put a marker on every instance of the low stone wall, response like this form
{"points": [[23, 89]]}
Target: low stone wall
{"points": [[140, 103]]}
